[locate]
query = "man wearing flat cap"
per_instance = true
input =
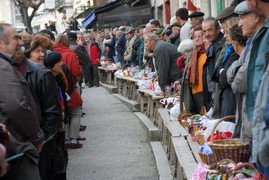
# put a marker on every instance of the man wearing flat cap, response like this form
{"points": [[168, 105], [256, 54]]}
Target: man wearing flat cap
{"points": [[257, 89], [226, 13], [174, 38], [129, 35], [196, 18], [239, 75]]}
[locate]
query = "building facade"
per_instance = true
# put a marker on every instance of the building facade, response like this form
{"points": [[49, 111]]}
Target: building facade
{"points": [[165, 9], [9, 13], [53, 10]]}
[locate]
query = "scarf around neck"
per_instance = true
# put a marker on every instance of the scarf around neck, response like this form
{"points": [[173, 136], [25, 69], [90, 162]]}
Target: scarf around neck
{"points": [[192, 71]]}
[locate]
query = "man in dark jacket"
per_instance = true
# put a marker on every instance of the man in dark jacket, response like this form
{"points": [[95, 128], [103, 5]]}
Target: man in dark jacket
{"points": [[111, 44], [83, 57], [43, 83], [120, 46], [73, 24], [165, 55], [213, 34], [19, 111]]}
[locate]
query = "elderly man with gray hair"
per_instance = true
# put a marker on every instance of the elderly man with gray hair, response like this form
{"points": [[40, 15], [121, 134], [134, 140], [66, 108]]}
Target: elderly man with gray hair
{"points": [[165, 57], [257, 89]]}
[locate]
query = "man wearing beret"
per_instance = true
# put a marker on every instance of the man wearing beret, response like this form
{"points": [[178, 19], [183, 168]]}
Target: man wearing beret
{"points": [[196, 18], [257, 89]]}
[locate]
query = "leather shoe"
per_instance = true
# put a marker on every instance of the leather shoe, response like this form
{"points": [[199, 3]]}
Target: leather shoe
{"points": [[82, 128], [81, 138], [75, 145]]}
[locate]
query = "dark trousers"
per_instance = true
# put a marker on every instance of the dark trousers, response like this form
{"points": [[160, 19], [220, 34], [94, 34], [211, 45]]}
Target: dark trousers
{"points": [[95, 75], [45, 162], [90, 76], [87, 70], [198, 101], [24, 168]]}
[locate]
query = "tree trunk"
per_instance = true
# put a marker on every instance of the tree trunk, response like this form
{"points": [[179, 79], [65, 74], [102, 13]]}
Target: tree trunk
{"points": [[24, 5], [26, 20], [29, 26]]}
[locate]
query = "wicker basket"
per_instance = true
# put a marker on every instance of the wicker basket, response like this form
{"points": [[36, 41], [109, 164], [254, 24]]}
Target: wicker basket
{"points": [[207, 158], [200, 138], [248, 170], [233, 149], [183, 119], [193, 128]]}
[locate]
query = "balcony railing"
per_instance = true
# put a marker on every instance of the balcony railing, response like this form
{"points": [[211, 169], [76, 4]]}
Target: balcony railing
{"points": [[63, 3]]}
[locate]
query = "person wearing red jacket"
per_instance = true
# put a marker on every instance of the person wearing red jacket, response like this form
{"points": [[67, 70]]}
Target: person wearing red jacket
{"points": [[70, 59], [93, 51]]}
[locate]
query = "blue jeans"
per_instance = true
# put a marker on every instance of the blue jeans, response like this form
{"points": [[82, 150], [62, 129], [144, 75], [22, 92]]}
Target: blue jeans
{"points": [[259, 166], [262, 169]]}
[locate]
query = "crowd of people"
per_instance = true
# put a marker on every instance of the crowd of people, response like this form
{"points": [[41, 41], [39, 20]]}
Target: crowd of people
{"points": [[217, 63]]}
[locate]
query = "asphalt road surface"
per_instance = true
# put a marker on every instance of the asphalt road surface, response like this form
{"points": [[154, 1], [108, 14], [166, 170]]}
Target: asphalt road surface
{"points": [[116, 148]]}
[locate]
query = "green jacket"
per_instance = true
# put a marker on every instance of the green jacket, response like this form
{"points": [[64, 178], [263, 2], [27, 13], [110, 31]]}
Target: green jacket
{"points": [[256, 64]]}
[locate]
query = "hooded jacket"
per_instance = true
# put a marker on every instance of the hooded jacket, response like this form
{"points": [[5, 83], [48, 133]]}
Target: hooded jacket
{"points": [[71, 60]]}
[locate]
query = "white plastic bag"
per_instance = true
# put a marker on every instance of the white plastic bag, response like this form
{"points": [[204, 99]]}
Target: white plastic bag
{"points": [[222, 127], [175, 111]]}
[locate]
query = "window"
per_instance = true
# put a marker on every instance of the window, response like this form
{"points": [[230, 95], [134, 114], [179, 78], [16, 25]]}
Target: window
{"points": [[17, 14], [220, 5]]}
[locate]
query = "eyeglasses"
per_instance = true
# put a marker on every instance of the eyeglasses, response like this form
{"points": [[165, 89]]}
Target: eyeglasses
{"points": [[17, 37]]}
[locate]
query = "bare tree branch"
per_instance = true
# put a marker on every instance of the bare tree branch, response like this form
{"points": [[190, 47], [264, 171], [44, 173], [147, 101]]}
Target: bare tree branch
{"points": [[24, 5]]}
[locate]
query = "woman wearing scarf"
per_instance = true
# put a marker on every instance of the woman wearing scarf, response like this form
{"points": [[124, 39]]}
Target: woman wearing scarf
{"points": [[194, 74], [227, 96]]}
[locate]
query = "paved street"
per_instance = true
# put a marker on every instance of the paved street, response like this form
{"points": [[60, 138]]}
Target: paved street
{"points": [[116, 148]]}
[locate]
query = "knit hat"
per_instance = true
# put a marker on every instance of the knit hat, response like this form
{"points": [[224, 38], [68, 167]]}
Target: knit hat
{"points": [[72, 36], [52, 58]]}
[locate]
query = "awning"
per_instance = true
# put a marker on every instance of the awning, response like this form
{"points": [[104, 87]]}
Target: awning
{"points": [[119, 12], [85, 13], [106, 7], [89, 19]]}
